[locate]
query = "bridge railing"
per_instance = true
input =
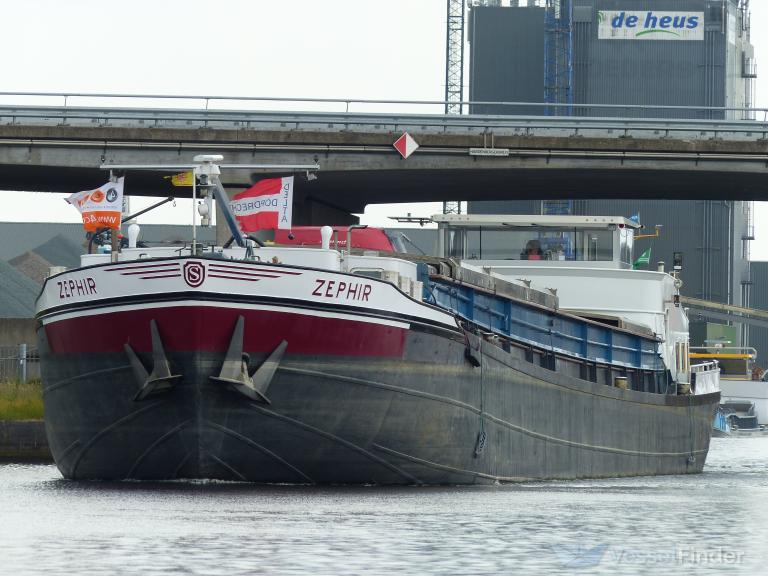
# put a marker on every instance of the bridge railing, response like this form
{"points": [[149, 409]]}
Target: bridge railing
{"points": [[192, 112], [362, 105]]}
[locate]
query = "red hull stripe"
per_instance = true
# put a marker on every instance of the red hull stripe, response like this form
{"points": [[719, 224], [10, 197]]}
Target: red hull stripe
{"points": [[276, 271], [142, 267], [157, 271], [247, 279], [209, 328], [238, 273], [161, 276]]}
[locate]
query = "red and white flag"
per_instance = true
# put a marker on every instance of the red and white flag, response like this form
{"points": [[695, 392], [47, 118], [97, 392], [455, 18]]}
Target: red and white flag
{"points": [[265, 205]]}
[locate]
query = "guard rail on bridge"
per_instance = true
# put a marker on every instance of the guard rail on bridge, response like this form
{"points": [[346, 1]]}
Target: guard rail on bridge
{"points": [[57, 141], [370, 116]]}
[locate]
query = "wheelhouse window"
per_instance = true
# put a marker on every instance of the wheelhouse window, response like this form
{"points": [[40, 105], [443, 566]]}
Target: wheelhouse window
{"points": [[370, 272], [508, 243]]}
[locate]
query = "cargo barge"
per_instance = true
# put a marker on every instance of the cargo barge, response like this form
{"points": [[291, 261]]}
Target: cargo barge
{"points": [[302, 364]]}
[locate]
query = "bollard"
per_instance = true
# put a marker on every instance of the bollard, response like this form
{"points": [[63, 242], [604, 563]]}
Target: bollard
{"points": [[23, 362]]}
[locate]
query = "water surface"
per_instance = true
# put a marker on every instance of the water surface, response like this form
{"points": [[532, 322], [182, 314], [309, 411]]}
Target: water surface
{"points": [[712, 523]]}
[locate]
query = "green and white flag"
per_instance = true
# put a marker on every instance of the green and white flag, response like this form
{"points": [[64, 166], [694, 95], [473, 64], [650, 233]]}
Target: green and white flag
{"points": [[645, 258]]}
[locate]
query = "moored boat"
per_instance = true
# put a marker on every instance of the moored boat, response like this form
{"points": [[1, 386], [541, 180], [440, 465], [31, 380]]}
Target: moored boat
{"points": [[744, 389], [316, 365]]}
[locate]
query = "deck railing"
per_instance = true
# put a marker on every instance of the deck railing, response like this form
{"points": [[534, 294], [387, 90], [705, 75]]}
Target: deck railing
{"points": [[705, 378]]}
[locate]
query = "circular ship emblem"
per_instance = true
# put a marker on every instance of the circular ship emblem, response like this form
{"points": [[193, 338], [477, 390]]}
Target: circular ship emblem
{"points": [[194, 274]]}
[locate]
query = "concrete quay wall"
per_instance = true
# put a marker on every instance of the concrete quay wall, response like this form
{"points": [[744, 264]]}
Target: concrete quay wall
{"points": [[23, 440]]}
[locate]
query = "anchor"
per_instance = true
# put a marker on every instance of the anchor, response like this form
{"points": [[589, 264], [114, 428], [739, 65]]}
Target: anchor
{"points": [[234, 370], [160, 379]]}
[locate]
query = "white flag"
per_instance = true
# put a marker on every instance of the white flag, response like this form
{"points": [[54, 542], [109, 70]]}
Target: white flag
{"points": [[102, 207]]}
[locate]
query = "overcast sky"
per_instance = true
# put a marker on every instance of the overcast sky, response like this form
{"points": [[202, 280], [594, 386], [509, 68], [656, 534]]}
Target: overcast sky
{"points": [[366, 49]]}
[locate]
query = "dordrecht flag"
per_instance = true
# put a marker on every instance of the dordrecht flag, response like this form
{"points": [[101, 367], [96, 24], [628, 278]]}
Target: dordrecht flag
{"points": [[100, 208], [265, 205]]}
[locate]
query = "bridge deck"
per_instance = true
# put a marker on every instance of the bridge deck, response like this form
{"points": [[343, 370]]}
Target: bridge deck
{"points": [[59, 148]]}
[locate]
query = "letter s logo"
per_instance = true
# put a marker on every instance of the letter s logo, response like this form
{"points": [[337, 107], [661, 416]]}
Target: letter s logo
{"points": [[194, 274]]}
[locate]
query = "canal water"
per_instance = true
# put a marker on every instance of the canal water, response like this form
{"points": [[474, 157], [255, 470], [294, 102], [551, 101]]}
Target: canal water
{"points": [[713, 523]]}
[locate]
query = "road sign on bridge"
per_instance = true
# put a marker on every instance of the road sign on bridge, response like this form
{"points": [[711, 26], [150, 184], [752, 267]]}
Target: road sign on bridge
{"points": [[406, 145]]}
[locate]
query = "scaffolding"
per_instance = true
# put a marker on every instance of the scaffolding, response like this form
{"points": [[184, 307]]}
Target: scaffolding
{"points": [[558, 57], [558, 74], [454, 57], [454, 71]]}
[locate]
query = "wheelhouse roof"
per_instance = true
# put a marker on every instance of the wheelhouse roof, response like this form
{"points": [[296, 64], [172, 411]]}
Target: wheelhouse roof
{"points": [[533, 221]]}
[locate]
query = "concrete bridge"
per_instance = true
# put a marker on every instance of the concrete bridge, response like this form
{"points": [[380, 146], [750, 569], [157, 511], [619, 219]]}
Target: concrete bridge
{"points": [[59, 148]]}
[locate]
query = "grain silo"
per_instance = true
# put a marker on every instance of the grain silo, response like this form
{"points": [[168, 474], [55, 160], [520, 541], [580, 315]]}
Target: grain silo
{"points": [[689, 53]]}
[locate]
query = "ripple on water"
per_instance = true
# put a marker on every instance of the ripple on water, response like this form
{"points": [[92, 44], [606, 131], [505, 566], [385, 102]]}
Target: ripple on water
{"points": [[656, 525]]}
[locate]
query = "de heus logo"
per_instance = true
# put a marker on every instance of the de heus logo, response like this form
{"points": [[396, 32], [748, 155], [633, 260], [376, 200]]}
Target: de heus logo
{"points": [[655, 23]]}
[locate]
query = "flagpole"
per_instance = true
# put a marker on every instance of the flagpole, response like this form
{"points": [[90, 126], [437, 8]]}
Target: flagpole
{"points": [[194, 209], [114, 232]]}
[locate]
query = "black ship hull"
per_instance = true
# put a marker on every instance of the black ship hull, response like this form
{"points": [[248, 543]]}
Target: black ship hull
{"points": [[346, 402]]}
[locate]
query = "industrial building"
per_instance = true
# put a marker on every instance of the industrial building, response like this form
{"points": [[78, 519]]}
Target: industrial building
{"points": [[620, 58], [758, 335], [571, 53]]}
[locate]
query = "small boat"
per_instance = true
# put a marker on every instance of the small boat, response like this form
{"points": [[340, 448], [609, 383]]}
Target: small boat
{"points": [[744, 395], [721, 426], [528, 349], [706, 379]]}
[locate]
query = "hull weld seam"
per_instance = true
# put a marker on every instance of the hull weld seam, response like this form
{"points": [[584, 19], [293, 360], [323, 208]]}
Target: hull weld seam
{"points": [[69, 449], [172, 432], [354, 447], [101, 433], [181, 464], [489, 417], [383, 386], [248, 442], [73, 379], [447, 468], [224, 465]]}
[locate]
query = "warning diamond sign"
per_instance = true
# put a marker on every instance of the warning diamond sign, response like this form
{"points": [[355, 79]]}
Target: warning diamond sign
{"points": [[406, 145]]}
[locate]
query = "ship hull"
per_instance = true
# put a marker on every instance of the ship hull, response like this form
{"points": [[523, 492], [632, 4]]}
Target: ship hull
{"points": [[352, 400]]}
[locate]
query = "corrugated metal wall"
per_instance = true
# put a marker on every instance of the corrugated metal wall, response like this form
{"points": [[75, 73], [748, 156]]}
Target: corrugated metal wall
{"points": [[758, 337], [506, 59], [698, 229], [646, 72]]}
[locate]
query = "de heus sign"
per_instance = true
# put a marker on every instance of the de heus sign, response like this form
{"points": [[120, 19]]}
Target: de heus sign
{"points": [[650, 25]]}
